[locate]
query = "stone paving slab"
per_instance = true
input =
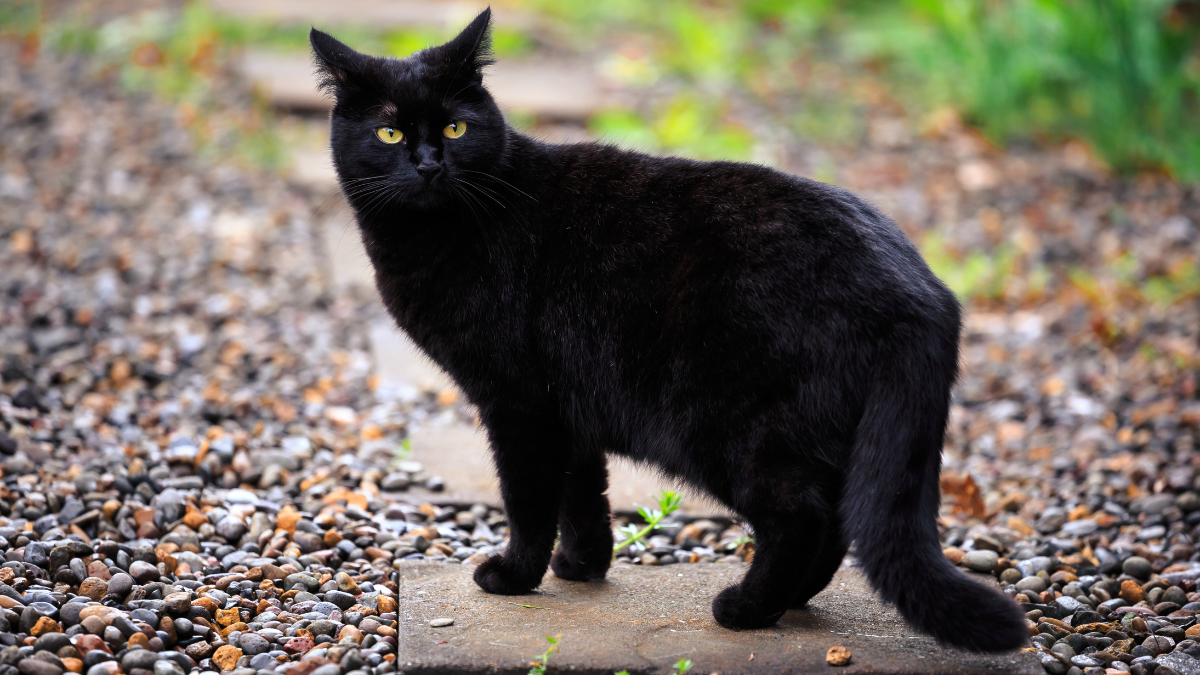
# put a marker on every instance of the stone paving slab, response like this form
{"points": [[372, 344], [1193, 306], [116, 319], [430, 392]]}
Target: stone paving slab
{"points": [[378, 13], [562, 90], [645, 619]]}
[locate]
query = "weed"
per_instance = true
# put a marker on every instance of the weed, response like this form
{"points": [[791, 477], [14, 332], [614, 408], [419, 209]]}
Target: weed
{"points": [[668, 503], [542, 661]]}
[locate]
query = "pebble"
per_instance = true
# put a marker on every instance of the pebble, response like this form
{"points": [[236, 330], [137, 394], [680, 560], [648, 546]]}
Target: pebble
{"points": [[981, 561], [438, 623], [166, 465], [182, 418], [837, 656]]}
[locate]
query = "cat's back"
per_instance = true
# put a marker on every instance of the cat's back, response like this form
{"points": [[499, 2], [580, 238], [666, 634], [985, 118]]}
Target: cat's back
{"points": [[740, 219]]}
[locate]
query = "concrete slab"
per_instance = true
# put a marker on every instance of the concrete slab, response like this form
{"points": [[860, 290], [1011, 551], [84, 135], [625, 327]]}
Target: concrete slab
{"points": [[645, 619], [560, 90]]}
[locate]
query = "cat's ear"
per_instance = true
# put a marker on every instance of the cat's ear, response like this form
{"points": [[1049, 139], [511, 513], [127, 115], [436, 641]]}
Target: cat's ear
{"points": [[471, 51], [336, 63]]}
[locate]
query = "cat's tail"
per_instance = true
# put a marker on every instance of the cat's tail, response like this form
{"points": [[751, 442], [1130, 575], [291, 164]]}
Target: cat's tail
{"points": [[891, 498]]}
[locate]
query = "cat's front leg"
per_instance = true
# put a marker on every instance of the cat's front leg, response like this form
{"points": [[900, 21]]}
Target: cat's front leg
{"points": [[585, 541], [530, 456]]}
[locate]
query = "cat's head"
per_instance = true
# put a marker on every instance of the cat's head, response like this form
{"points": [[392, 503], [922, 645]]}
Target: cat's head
{"points": [[408, 131]]}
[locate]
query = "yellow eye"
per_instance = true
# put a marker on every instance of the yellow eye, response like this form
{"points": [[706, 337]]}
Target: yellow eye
{"points": [[455, 129], [389, 135]]}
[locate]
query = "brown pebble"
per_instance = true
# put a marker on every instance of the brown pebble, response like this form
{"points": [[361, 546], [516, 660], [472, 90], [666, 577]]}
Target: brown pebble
{"points": [[1131, 592], [45, 625], [207, 603], [227, 657], [139, 640], [838, 656], [94, 588], [226, 617], [98, 569], [351, 632], [72, 664]]}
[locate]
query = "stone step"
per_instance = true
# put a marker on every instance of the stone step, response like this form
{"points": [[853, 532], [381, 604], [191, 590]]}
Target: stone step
{"points": [[646, 618], [558, 89], [447, 14]]}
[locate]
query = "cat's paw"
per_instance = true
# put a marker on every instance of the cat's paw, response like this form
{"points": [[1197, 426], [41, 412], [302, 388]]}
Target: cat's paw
{"points": [[495, 576], [581, 566], [732, 608]]}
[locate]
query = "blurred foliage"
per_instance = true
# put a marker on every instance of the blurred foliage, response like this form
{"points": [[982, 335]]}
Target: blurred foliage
{"points": [[682, 125], [1121, 75], [179, 57]]}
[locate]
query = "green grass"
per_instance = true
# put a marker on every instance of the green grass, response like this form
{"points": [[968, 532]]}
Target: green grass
{"points": [[1121, 75], [668, 503], [542, 661]]}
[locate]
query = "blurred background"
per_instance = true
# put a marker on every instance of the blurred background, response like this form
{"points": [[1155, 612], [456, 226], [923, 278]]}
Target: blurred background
{"points": [[1043, 154]]}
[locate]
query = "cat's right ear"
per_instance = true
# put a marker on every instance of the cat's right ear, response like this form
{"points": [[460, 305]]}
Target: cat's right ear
{"points": [[336, 63]]}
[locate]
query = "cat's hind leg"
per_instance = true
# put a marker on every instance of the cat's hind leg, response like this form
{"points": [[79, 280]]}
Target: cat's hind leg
{"points": [[530, 455], [585, 540], [824, 564], [783, 551]]}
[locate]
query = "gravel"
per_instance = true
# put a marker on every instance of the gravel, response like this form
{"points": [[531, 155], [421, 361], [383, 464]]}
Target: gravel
{"points": [[197, 473], [200, 473]]}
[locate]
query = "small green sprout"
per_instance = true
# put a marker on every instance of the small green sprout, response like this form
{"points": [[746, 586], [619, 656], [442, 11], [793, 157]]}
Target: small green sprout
{"points": [[668, 503], [681, 666], [542, 661]]}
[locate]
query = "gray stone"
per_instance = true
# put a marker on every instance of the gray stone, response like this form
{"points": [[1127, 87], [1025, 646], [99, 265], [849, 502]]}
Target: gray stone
{"points": [[325, 608], [1152, 504], [1034, 584], [1070, 605], [120, 585], [38, 667], [1051, 663], [51, 642], [1079, 528], [342, 601], [1136, 566], [143, 572], [138, 658], [1181, 662], [231, 529], [981, 561], [253, 644], [165, 667]]}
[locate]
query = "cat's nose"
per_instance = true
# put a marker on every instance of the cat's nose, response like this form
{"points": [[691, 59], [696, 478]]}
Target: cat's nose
{"points": [[429, 170]]}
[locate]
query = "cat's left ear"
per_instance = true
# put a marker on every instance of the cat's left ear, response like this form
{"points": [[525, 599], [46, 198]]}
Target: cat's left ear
{"points": [[471, 51], [337, 64]]}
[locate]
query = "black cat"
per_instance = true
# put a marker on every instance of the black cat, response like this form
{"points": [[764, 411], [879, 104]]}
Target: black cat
{"points": [[772, 340]]}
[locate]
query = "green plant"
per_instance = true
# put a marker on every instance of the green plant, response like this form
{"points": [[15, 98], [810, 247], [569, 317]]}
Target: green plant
{"points": [[668, 503], [685, 124], [975, 275], [542, 661], [744, 539]]}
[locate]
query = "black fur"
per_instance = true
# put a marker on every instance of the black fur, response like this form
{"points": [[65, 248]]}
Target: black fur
{"points": [[772, 340]]}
